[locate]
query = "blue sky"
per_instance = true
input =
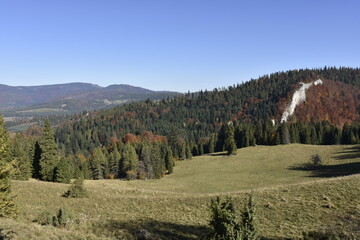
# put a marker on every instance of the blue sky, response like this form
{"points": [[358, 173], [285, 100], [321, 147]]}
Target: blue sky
{"points": [[175, 45]]}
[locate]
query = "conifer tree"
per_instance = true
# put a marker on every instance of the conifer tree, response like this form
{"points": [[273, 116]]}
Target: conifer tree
{"points": [[36, 155], [249, 221], [76, 190], [157, 161], [62, 171], [305, 133], [313, 136], [145, 169], [294, 133], [129, 162], [229, 143], [48, 159], [169, 163], [195, 150], [20, 158], [259, 135], [114, 161], [97, 163], [7, 206], [224, 222], [200, 149], [221, 139], [212, 143], [285, 135], [188, 152]]}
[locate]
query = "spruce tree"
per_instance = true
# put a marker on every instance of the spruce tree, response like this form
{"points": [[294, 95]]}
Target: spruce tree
{"points": [[158, 163], [220, 139], [62, 171], [212, 143], [48, 159], [36, 155], [285, 134], [114, 161], [188, 152], [249, 221], [7, 206], [97, 163], [76, 190], [20, 158], [224, 222], [169, 162], [145, 169], [129, 162], [229, 143]]}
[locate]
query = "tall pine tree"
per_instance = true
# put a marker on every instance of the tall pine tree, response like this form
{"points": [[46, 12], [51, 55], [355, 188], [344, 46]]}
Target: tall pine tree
{"points": [[229, 143], [129, 162], [49, 159], [62, 171], [97, 163], [19, 156]]}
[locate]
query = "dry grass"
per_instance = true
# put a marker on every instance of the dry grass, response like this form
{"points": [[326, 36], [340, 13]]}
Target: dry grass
{"points": [[290, 199]]}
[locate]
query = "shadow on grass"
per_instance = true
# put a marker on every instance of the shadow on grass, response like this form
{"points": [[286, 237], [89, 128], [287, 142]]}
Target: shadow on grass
{"points": [[327, 171], [218, 154], [152, 229], [348, 153]]}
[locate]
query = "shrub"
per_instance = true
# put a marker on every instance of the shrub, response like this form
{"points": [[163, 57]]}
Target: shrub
{"points": [[130, 175], [76, 190], [62, 218], [316, 161], [44, 218]]}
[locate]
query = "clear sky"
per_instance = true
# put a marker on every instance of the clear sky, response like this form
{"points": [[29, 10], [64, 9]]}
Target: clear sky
{"points": [[175, 45]]}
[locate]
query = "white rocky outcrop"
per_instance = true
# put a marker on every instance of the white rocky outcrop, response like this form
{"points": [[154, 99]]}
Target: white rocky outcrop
{"points": [[298, 97]]}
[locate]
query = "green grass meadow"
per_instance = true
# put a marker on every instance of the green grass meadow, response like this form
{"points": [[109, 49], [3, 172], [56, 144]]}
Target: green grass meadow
{"points": [[290, 197]]}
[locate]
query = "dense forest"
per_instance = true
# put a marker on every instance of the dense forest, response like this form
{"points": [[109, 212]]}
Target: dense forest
{"points": [[145, 139]]}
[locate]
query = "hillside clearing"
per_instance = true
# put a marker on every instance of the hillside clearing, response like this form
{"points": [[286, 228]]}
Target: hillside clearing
{"points": [[290, 199]]}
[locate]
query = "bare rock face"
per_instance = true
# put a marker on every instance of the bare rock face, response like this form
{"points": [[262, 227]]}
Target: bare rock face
{"points": [[298, 97]]}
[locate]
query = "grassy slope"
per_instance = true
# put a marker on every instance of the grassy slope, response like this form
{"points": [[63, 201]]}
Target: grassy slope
{"points": [[176, 207]]}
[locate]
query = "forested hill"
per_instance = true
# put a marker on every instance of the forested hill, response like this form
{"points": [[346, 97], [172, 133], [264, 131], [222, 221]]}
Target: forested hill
{"points": [[196, 116], [70, 98]]}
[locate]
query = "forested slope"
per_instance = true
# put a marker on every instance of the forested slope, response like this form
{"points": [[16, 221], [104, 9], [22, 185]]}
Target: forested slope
{"points": [[198, 115], [145, 139]]}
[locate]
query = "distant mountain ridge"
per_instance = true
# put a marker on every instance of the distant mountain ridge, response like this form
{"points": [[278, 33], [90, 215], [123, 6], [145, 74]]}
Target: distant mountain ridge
{"points": [[71, 97]]}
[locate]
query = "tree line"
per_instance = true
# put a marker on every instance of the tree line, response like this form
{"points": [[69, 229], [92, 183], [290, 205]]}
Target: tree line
{"points": [[143, 140], [193, 116]]}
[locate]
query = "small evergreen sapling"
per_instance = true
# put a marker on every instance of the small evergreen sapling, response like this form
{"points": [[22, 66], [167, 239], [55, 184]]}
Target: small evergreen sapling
{"points": [[76, 190], [226, 225], [224, 221], [62, 218], [249, 221]]}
